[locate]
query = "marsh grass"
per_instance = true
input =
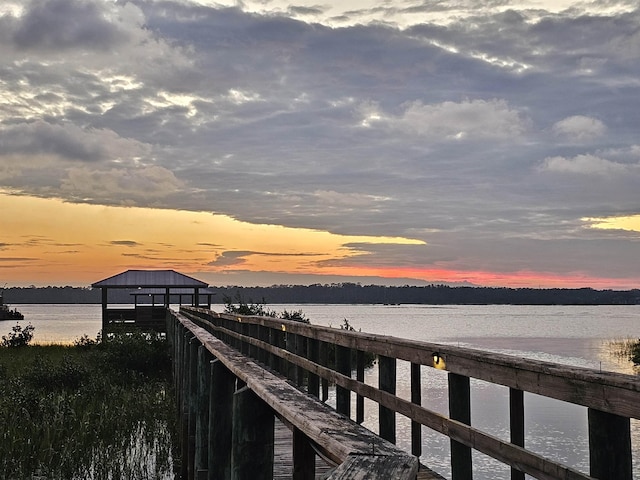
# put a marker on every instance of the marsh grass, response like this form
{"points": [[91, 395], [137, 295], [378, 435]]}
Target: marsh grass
{"points": [[627, 348], [89, 411]]}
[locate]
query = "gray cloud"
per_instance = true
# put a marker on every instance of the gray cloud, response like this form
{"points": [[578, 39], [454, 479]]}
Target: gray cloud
{"points": [[67, 141], [125, 243], [65, 24], [489, 136]]}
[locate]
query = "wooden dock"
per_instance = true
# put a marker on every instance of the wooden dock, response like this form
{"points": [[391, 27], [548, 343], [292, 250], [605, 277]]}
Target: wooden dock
{"points": [[274, 368]]}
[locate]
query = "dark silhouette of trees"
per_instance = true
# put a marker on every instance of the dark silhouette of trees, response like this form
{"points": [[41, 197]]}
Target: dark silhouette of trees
{"points": [[355, 293]]}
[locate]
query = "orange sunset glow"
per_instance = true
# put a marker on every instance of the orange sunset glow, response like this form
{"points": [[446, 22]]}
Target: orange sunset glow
{"points": [[51, 242], [48, 240]]}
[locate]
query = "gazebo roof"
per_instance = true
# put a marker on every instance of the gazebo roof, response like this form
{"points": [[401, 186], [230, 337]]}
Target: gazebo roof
{"points": [[150, 279]]}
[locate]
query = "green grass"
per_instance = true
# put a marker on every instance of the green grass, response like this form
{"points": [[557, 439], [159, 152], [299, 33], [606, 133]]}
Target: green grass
{"points": [[89, 411]]}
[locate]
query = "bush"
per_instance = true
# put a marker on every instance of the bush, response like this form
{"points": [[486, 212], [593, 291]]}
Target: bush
{"points": [[246, 308], [135, 352], [18, 337], [297, 316], [635, 353]]}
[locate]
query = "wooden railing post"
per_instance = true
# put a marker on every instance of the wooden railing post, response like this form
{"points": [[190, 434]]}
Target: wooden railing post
{"points": [[324, 361], [192, 405], [183, 393], [343, 366], [300, 350], [387, 383], [516, 424], [252, 444], [263, 333], [314, 356], [460, 409], [360, 378], [304, 457], [290, 341], [610, 455], [220, 411], [416, 398], [202, 411]]}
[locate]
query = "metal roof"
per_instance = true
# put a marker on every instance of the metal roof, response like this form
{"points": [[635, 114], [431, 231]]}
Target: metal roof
{"points": [[150, 279]]}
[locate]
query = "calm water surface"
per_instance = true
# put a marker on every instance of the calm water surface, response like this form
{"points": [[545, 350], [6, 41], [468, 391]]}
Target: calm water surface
{"points": [[563, 334]]}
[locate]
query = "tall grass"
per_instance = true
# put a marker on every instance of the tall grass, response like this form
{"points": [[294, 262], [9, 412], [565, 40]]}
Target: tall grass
{"points": [[89, 411], [627, 348]]}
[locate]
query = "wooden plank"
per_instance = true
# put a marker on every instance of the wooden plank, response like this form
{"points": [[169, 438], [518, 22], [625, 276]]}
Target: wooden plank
{"points": [[365, 467]]}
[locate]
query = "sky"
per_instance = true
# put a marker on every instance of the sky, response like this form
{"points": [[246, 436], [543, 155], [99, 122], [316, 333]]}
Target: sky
{"points": [[259, 142]]}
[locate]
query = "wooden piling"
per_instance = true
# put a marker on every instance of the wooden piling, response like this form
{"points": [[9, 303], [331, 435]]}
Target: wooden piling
{"points": [[202, 410], [416, 398], [192, 406], [343, 366], [387, 383], [222, 387], [252, 438], [304, 457], [313, 352], [359, 378], [610, 455], [516, 424], [460, 409]]}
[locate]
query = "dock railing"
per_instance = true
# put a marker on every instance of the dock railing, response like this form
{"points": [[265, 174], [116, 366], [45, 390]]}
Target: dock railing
{"points": [[302, 353], [228, 404]]}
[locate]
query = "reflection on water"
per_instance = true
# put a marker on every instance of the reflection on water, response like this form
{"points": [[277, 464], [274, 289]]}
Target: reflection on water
{"points": [[561, 334]]}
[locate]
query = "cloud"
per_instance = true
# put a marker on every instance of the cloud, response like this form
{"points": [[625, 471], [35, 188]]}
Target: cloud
{"points": [[580, 128], [68, 141], [128, 186], [470, 119], [53, 25], [229, 259], [125, 243], [584, 164]]}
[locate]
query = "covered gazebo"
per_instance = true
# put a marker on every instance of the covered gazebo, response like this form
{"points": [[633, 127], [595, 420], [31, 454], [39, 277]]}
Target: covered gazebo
{"points": [[160, 284]]}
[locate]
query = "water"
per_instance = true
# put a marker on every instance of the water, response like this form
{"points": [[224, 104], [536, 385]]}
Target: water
{"points": [[573, 335]]}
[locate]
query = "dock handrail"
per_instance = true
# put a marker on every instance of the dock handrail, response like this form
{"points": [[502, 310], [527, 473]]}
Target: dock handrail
{"points": [[341, 440], [297, 349]]}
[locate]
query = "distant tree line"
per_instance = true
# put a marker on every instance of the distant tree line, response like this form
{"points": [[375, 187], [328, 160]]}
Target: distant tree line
{"points": [[353, 293]]}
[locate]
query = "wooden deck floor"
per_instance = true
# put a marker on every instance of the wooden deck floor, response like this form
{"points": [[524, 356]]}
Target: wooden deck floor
{"points": [[283, 455], [283, 458]]}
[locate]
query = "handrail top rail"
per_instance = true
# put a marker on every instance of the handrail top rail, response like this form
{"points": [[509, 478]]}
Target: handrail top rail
{"points": [[422, 352]]}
